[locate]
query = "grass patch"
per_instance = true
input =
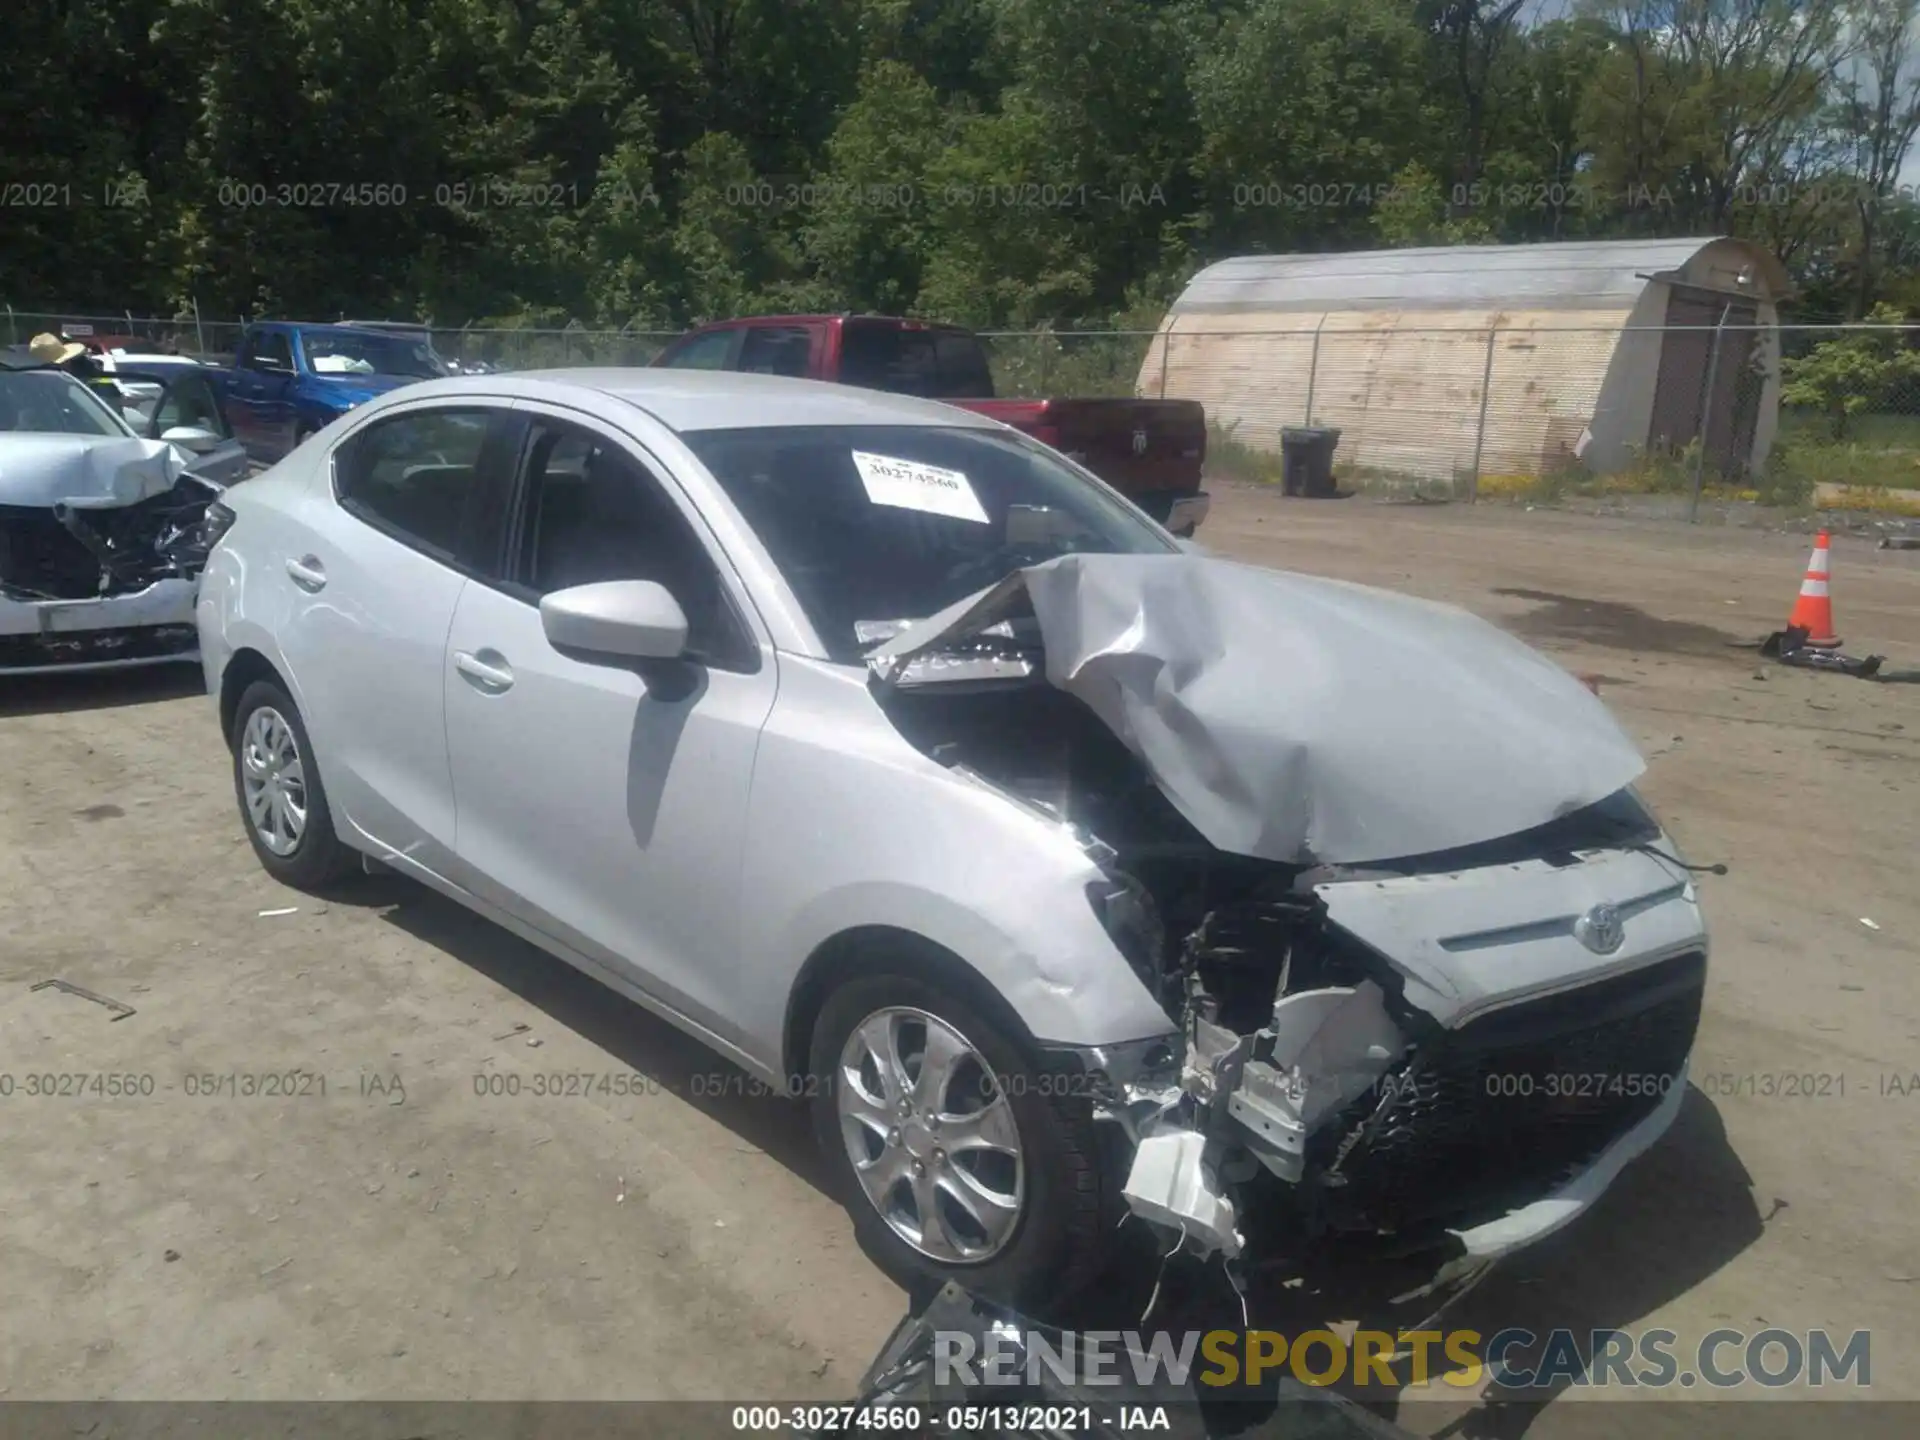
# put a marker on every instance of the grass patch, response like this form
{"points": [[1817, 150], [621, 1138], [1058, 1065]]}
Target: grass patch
{"points": [[1229, 458], [1880, 452]]}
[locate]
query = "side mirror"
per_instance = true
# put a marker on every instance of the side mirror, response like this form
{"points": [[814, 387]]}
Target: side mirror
{"points": [[630, 619], [192, 437]]}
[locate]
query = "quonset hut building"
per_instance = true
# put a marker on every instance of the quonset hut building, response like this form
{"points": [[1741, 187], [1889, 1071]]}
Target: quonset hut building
{"points": [[1461, 361]]}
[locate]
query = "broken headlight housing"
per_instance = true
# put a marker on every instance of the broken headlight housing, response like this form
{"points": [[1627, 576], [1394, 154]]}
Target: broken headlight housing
{"points": [[1132, 921]]}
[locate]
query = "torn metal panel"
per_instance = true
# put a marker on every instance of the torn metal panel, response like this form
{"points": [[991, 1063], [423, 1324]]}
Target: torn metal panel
{"points": [[1172, 1184], [1326, 1049], [1302, 720]]}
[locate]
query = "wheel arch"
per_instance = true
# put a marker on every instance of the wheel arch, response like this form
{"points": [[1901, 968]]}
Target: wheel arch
{"points": [[246, 666], [872, 949]]}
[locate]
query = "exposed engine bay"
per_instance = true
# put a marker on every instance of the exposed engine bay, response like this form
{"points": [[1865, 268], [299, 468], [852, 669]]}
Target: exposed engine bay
{"points": [[77, 552], [101, 543], [1303, 1059]]}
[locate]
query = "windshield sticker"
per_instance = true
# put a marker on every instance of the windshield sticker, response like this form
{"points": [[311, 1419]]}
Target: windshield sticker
{"points": [[912, 486]]}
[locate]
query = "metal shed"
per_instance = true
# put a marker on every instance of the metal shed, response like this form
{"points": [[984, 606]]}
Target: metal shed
{"points": [[1460, 361]]}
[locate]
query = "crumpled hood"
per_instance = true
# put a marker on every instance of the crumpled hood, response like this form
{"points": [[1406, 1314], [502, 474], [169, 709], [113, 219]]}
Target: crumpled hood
{"points": [[88, 472], [1304, 720]]}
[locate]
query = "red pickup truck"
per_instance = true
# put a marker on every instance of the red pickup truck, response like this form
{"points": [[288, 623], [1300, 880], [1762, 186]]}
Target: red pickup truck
{"points": [[1149, 450]]}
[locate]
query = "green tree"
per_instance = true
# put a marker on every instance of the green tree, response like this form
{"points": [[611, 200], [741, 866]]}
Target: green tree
{"points": [[1853, 373], [1307, 109]]}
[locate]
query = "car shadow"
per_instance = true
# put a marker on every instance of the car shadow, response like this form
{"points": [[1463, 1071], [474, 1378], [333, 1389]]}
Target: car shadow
{"points": [[58, 694], [630, 1034]]}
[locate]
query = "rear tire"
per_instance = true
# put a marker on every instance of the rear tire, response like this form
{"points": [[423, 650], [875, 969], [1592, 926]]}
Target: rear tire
{"points": [[283, 803], [1053, 1242]]}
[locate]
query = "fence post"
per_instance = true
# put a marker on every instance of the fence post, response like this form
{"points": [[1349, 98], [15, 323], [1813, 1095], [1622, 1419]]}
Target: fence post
{"points": [[1166, 343], [1313, 368], [1706, 415], [1480, 430], [13, 335]]}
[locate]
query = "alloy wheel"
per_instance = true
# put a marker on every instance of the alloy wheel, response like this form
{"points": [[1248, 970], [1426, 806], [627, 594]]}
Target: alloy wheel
{"points": [[931, 1135]]}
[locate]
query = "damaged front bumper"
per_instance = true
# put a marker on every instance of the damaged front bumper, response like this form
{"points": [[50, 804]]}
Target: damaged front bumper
{"points": [[102, 573], [1465, 1109]]}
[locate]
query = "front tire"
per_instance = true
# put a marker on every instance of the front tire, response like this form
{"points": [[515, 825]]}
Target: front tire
{"points": [[958, 1157], [282, 801]]}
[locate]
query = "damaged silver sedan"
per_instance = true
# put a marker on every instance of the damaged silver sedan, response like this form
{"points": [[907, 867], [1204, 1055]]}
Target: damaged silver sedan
{"points": [[102, 528], [1067, 873]]}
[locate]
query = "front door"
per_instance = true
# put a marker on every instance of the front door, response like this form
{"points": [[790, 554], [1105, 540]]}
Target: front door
{"points": [[189, 404], [605, 804]]}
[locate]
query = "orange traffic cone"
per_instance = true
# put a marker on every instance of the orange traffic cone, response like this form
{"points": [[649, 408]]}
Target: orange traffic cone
{"points": [[1813, 611]]}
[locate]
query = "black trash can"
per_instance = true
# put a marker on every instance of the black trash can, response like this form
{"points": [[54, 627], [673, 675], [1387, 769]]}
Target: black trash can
{"points": [[1306, 461]]}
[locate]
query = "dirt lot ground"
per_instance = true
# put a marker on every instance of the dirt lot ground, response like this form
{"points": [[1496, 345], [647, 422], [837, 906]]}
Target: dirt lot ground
{"points": [[410, 1234]]}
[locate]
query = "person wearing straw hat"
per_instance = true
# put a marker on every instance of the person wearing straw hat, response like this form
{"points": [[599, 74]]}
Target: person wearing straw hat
{"points": [[72, 357], [50, 349]]}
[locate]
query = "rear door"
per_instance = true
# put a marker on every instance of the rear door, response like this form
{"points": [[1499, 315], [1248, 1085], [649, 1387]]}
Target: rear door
{"points": [[262, 391], [373, 579]]}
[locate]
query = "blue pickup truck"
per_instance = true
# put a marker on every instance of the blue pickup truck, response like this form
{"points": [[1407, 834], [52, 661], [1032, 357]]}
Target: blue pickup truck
{"points": [[289, 380]]}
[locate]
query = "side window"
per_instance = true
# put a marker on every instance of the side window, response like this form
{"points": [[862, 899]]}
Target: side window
{"points": [[776, 350], [593, 513], [189, 402], [704, 352], [411, 476], [271, 352]]}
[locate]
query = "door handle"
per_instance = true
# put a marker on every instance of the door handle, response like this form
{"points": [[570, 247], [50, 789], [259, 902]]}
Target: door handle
{"points": [[492, 679], [307, 573]]}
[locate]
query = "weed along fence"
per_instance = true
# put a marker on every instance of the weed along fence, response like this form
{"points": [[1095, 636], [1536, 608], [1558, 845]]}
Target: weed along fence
{"points": [[1458, 412], [1519, 405]]}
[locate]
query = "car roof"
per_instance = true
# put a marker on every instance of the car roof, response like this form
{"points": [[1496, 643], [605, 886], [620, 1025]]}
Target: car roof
{"points": [[686, 400]]}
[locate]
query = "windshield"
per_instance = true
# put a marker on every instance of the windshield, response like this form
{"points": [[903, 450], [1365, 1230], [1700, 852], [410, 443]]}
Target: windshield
{"points": [[876, 525], [347, 352], [51, 402]]}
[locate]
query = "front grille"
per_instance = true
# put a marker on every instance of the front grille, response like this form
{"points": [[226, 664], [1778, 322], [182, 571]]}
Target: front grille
{"points": [[93, 647], [40, 555], [1508, 1108]]}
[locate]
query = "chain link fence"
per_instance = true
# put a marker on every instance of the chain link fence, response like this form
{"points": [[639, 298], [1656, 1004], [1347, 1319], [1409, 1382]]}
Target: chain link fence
{"points": [[1784, 414]]}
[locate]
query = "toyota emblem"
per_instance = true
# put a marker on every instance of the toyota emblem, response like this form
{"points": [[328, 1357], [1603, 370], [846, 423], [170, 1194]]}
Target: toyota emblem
{"points": [[1601, 930], [1139, 442]]}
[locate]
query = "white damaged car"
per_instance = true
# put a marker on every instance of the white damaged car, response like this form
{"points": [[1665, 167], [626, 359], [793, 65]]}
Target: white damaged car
{"points": [[1064, 872], [101, 519]]}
